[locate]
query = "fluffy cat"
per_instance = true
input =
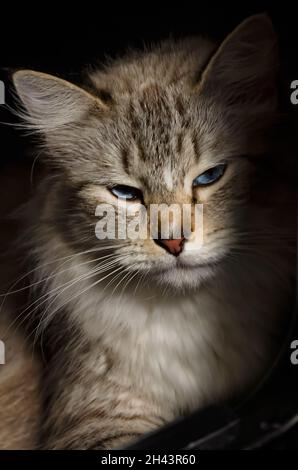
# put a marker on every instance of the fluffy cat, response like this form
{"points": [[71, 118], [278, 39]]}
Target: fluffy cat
{"points": [[133, 336], [20, 375], [19, 391]]}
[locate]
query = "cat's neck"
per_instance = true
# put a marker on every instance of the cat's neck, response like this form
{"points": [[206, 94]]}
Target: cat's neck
{"points": [[167, 342]]}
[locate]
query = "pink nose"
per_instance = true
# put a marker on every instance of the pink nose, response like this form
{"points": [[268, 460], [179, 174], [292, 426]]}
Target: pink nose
{"points": [[174, 246]]}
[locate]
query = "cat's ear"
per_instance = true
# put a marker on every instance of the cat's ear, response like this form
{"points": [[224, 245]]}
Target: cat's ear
{"points": [[243, 70], [51, 102]]}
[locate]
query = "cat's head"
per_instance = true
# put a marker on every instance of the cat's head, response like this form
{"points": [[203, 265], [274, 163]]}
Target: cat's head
{"points": [[173, 125]]}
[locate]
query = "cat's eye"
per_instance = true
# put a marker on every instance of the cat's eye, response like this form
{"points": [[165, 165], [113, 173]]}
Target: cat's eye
{"points": [[210, 176], [126, 192]]}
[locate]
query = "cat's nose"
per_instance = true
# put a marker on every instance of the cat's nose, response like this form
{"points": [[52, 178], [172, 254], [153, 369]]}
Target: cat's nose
{"points": [[173, 246]]}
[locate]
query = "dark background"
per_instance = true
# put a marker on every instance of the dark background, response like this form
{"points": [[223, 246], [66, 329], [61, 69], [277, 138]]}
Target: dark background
{"points": [[65, 38], [62, 39], [54, 40]]}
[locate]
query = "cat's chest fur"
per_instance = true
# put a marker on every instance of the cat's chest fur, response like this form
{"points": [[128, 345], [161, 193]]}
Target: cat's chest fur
{"points": [[183, 351]]}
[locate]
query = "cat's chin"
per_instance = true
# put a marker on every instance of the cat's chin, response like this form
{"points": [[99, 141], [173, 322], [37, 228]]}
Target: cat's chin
{"points": [[186, 277]]}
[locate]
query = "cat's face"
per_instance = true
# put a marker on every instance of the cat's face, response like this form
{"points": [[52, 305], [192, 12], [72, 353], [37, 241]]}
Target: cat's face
{"points": [[158, 141], [161, 152]]}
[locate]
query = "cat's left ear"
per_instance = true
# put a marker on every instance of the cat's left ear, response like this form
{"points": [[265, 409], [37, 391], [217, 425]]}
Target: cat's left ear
{"points": [[51, 102], [243, 71]]}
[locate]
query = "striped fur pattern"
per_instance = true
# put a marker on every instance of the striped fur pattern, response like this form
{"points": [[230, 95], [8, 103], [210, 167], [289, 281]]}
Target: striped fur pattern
{"points": [[133, 337]]}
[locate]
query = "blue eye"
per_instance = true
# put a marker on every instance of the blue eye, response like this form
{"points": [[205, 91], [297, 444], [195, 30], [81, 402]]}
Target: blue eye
{"points": [[126, 192], [210, 176]]}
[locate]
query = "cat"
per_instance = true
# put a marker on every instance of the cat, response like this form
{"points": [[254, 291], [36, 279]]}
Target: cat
{"points": [[135, 333], [20, 374], [19, 391]]}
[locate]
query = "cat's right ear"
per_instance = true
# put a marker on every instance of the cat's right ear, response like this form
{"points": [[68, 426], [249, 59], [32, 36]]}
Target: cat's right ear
{"points": [[51, 102], [242, 73]]}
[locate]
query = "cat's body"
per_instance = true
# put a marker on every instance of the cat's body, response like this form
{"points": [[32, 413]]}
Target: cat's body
{"points": [[20, 409], [139, 361], [20, 374], [137, 357], [150, 336]]}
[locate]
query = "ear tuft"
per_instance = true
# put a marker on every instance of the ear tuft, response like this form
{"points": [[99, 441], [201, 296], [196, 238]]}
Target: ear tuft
{"points": [[51, 102]]}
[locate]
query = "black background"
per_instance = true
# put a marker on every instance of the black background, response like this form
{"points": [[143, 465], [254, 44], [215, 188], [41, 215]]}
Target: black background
{"points": [[65, 38], [60, 40]]}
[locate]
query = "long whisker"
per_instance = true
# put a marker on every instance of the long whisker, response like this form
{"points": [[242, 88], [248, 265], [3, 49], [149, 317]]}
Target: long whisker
{"points": [[44, 320], [39, 267], [130, 279], [51, 293], [79, 294]]}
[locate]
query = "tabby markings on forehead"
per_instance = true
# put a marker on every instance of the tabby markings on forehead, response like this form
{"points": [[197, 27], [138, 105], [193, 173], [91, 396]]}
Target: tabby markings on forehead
{"points": [[168, 178]]}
